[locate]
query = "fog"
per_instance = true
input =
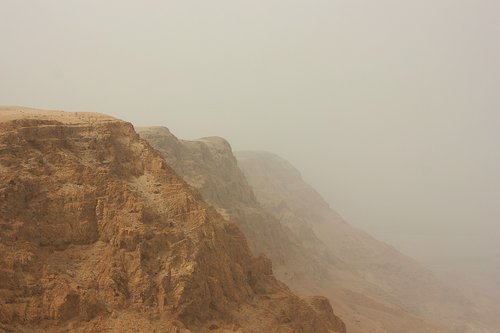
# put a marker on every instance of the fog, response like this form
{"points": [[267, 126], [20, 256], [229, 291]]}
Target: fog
{"points": [[391, 109]]}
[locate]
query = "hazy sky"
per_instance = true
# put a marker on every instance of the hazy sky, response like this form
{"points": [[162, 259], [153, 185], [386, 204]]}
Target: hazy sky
{"points": [[390, 108]]}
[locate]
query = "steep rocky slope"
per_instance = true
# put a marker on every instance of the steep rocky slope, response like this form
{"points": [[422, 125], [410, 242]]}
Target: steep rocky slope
{"points": [[209, 165], [98, 234], [280, 188], [299, 257]]}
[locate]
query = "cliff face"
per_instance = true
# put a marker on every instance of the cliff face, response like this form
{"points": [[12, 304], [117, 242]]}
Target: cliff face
{"points": [[385, 273], [98, 234], [209, 165], [300, 257]]}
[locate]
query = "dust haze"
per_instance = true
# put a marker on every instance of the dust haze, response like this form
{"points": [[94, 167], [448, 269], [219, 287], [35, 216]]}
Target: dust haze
{"points": [[391, 109]]}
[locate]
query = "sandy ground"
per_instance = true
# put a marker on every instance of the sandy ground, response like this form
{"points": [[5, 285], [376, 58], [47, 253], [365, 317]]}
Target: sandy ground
{"points": [[8, 113]]}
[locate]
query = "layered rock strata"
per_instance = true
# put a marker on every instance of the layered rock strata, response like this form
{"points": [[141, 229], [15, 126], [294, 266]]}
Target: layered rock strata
{"points": [[99, 234]]}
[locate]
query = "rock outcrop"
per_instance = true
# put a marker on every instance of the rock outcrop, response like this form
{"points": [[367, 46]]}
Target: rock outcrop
{"points": [[99, 234], [300, 258], [209, 165], [372, 286]]}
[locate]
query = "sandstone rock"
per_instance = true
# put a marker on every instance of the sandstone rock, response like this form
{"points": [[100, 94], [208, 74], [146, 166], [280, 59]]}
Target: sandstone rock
{"points": [[98, 234], [209, 165], [312, 249]]}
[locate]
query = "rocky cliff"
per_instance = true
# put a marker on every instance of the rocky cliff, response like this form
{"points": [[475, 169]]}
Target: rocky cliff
{"points": [[99, 234], [300, 258], [209, 165]]}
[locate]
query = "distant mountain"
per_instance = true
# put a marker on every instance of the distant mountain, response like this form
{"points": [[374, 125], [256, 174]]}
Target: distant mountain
{"points": [[382, 273]]}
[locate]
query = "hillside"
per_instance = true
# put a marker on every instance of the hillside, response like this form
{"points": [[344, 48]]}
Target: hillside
{"points": [[282, 191], [300, 258], [98, 234]]}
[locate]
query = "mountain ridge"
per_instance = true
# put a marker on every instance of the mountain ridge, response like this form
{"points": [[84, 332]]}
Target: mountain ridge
{"points": [[98, 234], [300, 259], [416, 288]]}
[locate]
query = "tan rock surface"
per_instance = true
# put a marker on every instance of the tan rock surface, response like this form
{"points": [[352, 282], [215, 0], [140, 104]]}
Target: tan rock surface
{"points": [[299, 257], [209, 165], [98, 234]]}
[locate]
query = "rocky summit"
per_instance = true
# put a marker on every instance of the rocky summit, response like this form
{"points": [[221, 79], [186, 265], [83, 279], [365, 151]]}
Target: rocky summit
{"points": [[99, 234]]}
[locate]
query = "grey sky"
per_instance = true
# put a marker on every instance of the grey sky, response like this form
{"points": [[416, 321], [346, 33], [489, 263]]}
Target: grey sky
{"points": [[390, 108]]}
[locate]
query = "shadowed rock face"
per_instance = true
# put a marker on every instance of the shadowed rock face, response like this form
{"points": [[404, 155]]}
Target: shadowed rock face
{"points": [[299, 257], [209, 165], [372, 286], [98, 234]]}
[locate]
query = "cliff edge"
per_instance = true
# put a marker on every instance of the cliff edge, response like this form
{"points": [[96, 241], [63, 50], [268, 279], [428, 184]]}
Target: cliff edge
{"points": [[98, 234]]}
